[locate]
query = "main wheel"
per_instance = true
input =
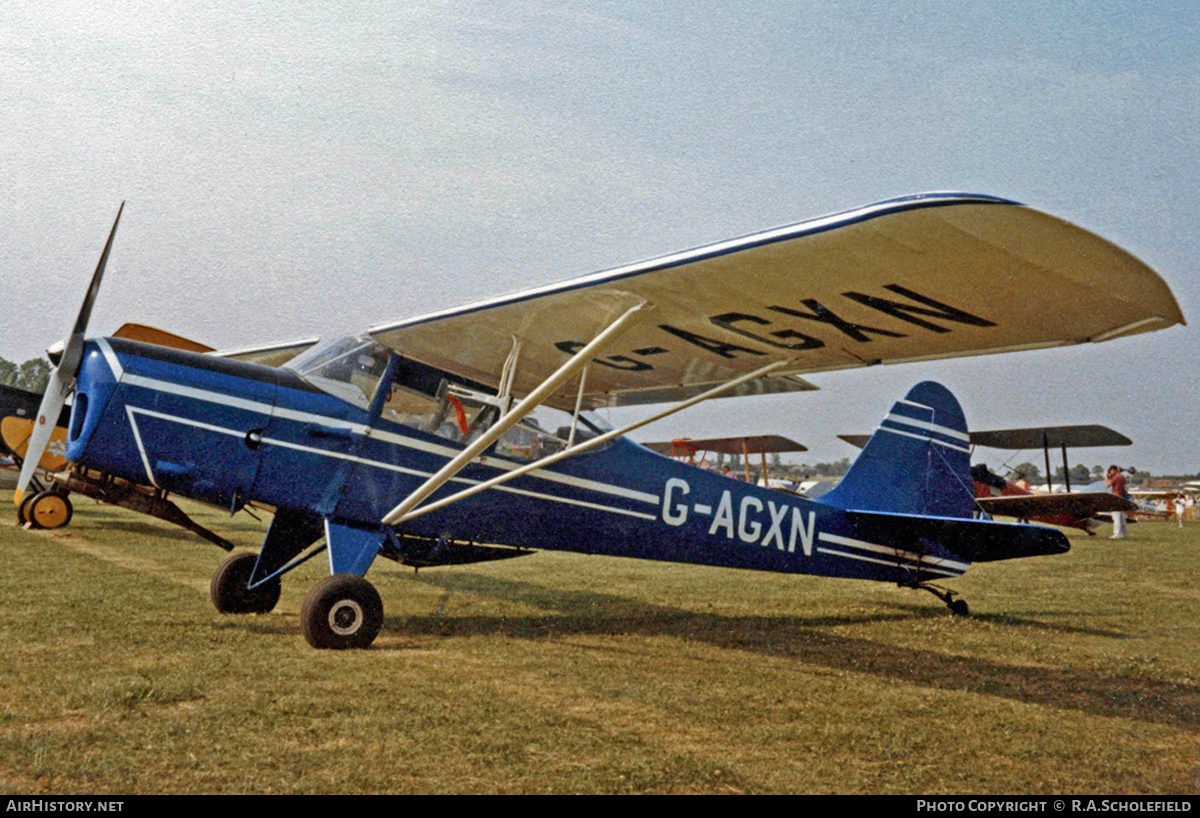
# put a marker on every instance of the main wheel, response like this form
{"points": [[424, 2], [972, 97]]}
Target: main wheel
{"points": [[230, 589], [959, 607], [48, 509], [342, 611]]}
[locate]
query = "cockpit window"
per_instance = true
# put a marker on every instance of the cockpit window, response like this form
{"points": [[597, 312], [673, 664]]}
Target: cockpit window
{"points": [[347, 368], [351, 369], [546, 431]]}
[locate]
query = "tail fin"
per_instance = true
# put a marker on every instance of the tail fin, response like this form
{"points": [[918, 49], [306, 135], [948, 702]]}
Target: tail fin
{"points": [[917, 462]]}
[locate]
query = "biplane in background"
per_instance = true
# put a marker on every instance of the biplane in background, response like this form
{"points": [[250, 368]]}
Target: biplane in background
{"points": [[1075, 509], [686, 449], [998, 496], [18, 408], [468, 434], [1163, 504]]}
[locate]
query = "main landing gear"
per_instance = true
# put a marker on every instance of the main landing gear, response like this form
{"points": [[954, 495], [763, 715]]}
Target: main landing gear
{"points": [[46, 509], [342, 611], [231, 592]]}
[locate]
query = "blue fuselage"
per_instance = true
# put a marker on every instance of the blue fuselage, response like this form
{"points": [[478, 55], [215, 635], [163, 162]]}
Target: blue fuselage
{"points": [[227, 432]]}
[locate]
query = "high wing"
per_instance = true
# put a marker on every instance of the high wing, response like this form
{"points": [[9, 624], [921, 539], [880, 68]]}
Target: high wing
{"points": [[154, 335], [1074, 437], [1037, 437], [920, 277], [1075, 504]]}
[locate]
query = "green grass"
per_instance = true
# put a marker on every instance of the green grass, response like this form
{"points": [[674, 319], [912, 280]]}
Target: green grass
{"points": [[565, 673]]}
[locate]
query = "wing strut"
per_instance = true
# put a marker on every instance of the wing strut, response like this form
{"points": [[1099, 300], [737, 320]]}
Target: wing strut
{"points": [[531, 401], [578, 406], [394, 518]]}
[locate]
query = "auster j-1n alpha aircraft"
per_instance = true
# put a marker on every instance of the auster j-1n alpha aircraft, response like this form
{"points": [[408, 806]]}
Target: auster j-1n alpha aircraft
{"points": [[467, 434]]}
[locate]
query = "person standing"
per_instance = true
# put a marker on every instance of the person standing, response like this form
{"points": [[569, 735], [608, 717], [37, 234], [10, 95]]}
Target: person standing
{"points": [[1117, 485]]}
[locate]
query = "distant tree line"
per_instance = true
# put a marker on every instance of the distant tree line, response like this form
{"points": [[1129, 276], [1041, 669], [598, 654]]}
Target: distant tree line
{"points": [[817, 470], [32, 376], [780, 469]]}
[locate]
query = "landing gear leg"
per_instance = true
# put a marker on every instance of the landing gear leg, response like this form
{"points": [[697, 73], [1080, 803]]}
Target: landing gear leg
{"points": [[958, 607]]}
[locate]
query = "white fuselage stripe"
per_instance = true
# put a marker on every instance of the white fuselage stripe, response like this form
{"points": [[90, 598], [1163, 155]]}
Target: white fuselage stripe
{"points": [[137, 438], [110, 357], [837, 539], [861, 558], [354, 459], [209, 396]]}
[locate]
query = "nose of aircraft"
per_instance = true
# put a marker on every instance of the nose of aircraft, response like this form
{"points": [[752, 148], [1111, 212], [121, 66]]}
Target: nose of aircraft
{"points": [[95, 383]]}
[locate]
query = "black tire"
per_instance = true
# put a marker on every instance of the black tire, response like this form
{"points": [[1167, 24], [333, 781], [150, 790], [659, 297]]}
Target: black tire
{"points": [[48, 509], [341, 612], [231, 594], [959, 607], [23, 509]]}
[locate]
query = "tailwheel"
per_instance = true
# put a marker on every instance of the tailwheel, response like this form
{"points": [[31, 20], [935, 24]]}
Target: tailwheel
{"points": [[47, 509], [342, 611], [958, 607], [231, 592]]}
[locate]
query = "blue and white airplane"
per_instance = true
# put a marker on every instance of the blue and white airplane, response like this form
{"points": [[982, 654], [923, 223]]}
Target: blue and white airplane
{"points": [[468, 435]]}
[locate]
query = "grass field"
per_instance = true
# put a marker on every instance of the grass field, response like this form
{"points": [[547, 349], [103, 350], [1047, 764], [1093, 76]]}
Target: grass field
{"points": [[564, 673]]}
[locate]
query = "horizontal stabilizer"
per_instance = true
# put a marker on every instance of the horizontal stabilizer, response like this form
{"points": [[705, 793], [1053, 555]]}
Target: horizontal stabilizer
{"points": [[972, 540]]}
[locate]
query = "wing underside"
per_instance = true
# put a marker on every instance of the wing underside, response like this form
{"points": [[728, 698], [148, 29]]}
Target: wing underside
{"points": [[924, 277]]}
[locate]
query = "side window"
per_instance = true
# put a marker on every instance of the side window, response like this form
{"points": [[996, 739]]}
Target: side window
{"points": [[447, 417], [454, 416], [544, 431]]}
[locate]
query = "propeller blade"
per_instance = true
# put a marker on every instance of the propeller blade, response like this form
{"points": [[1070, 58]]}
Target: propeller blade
{"points": [[73, 346], [62, 377], [52, 403]]}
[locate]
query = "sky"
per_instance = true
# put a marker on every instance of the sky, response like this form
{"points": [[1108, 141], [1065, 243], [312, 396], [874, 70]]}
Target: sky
{"points": [[315, 169]]}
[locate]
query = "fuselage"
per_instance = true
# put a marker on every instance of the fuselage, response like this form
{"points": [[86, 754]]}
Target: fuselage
{"points": [[228, 432], [999, 487]]}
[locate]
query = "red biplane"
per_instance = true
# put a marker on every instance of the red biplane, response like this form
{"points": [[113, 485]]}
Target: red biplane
{"points": [[998, 496]]}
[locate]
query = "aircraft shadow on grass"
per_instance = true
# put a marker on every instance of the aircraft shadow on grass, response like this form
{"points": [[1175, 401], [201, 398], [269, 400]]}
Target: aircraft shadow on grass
{"points": [[808, 640]]}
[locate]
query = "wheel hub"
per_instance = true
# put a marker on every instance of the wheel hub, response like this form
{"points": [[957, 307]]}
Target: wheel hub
{"points": [[345, 617]]}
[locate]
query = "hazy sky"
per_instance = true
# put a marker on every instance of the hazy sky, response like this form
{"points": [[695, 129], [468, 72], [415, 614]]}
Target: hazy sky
{"points": [[297, 169]]}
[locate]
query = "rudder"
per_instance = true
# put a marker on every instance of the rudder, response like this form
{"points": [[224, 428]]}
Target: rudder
{"points": [[917, 462]]}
